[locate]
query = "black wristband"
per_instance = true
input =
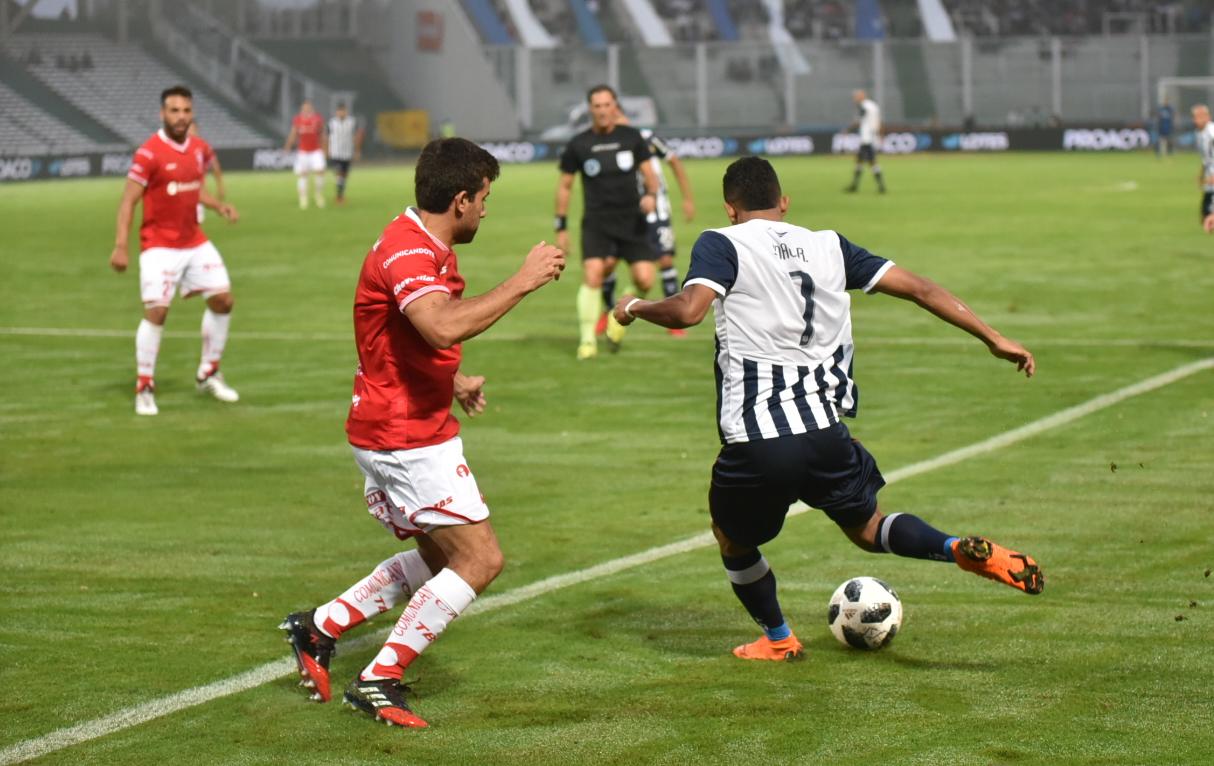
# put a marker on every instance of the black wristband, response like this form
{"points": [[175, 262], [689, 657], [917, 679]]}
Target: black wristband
{"points": [[561, 223]]}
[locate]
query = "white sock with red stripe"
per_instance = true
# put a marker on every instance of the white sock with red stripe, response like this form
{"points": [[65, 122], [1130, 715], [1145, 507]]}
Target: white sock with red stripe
{"points": [[392, 581], [214, 339], [147, 347], [428, 614]]}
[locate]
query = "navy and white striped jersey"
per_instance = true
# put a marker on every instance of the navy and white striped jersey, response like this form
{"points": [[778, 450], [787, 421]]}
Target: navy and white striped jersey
{"points": [[783, 325], [1205, 146], [341, 137]]}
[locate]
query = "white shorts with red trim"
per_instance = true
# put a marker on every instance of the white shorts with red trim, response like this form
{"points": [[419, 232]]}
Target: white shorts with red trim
{"points": [[309, 162], [412, 491], [190, 271]]}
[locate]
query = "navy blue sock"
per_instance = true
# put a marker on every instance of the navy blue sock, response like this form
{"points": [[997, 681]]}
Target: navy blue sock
{"points": [[903, 534], [609, 291], [755, 586]]}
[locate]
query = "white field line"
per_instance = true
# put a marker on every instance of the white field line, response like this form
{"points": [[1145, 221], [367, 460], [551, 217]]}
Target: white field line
{"points": [[133, 716], [322, 337]]}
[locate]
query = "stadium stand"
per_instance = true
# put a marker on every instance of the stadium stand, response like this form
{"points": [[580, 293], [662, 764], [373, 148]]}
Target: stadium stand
{"points": [[340, 65], [557, 17], [589, 29], [1013, 18], [27, 129], [488, 21], [120, 89]]}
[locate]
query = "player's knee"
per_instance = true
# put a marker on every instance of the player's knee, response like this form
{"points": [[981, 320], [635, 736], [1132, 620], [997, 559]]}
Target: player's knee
{"points": [[156, 314], [221, 303]]}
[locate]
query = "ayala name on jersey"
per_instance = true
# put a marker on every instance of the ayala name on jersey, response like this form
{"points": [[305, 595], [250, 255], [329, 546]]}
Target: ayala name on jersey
{"points": [[404, 387], [172, 175]]}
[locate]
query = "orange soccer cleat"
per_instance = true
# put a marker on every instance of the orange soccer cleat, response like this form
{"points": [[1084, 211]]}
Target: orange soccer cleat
{"points": [[313, 650], [765, 649], [600, 326], [994, 562]]}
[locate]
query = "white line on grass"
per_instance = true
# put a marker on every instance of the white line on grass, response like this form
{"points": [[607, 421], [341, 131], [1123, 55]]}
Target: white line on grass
{"points": [[314, 337], [125, 719]]}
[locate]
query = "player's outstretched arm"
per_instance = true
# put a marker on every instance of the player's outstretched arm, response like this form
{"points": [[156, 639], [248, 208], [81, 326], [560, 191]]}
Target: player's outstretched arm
{"points": [[443, 322], [131, 194], [685, 309], [907, 285]]}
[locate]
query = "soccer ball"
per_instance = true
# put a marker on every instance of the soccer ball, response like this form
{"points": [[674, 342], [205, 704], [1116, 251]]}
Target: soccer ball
{"points": [[865, 613]]}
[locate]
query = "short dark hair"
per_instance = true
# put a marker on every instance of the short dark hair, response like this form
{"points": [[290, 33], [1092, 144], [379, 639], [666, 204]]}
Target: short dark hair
{"points": [[603, 88], [448, 166], [176, 90], [751, 183]]}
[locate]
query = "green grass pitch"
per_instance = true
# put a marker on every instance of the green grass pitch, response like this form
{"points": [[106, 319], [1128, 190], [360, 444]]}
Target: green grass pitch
{"points": [[141, 557]]}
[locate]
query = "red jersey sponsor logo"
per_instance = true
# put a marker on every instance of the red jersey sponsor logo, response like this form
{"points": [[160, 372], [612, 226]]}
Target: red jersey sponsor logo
{"points": [[404, 387]]}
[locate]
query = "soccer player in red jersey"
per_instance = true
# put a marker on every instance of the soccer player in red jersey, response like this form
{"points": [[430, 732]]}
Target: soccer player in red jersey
{"points": [[167, 174], [308, 128], [409, 320]]}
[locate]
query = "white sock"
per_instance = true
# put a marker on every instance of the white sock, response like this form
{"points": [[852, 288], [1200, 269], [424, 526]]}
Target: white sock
{"points": [[393, 580], [301, 184], [318, 185], [428, 614], [147, 347], [214, 339]]}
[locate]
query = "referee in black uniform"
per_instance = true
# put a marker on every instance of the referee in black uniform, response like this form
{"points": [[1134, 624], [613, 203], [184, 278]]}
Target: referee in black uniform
{"points": [[613, 220]]}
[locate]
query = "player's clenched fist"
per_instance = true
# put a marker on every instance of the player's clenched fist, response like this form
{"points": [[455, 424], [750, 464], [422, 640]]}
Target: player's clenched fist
{"points": [[118, 259], [544, 263]]}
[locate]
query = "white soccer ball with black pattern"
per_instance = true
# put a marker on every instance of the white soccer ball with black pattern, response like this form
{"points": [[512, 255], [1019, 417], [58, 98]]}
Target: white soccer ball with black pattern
{"points": [[865, 613]]}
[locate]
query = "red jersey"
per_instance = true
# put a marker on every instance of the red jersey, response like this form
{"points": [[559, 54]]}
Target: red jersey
{"points": [[404, 387], [172, 175], [308, 130]]}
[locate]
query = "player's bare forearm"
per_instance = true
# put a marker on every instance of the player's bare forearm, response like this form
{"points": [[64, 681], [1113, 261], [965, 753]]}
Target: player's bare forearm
{"points": [[686, 309], [131, 194], [444, 322], [564, 189], [907, 285]]}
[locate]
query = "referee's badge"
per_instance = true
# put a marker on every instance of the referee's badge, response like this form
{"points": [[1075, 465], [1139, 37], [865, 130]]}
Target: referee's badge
{"points": [[591, 167], [624, 160]]}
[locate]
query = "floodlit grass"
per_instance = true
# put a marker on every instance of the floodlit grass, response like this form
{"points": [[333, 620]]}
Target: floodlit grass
{"points": [[141, 557]]}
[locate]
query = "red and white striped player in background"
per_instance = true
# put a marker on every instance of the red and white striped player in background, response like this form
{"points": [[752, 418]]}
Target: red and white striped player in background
{"points": [[167, 175], [308, 128]]}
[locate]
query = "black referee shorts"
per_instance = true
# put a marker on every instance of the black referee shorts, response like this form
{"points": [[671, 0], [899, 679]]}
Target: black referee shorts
{"points": [[624, 236], [754, 483]]}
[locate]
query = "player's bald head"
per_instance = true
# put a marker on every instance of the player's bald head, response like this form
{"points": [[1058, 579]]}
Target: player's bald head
{"points": [[1201, 115], [858, 95], [751, 184]]}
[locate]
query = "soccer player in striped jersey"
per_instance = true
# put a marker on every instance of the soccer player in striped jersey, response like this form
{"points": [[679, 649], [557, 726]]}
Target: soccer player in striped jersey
{"points": [[1205, 179], [345, 144], [784, 381], [868, 121]]}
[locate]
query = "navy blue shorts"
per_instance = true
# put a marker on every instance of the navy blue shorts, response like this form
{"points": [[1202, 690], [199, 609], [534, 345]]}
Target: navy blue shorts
{"points": [[661, 236], [1207, 204], [866, 154], [754, 483]]}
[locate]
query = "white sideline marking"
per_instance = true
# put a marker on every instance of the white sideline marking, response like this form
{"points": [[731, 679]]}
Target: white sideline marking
{"points": [[95, 332], [100, 727]]}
